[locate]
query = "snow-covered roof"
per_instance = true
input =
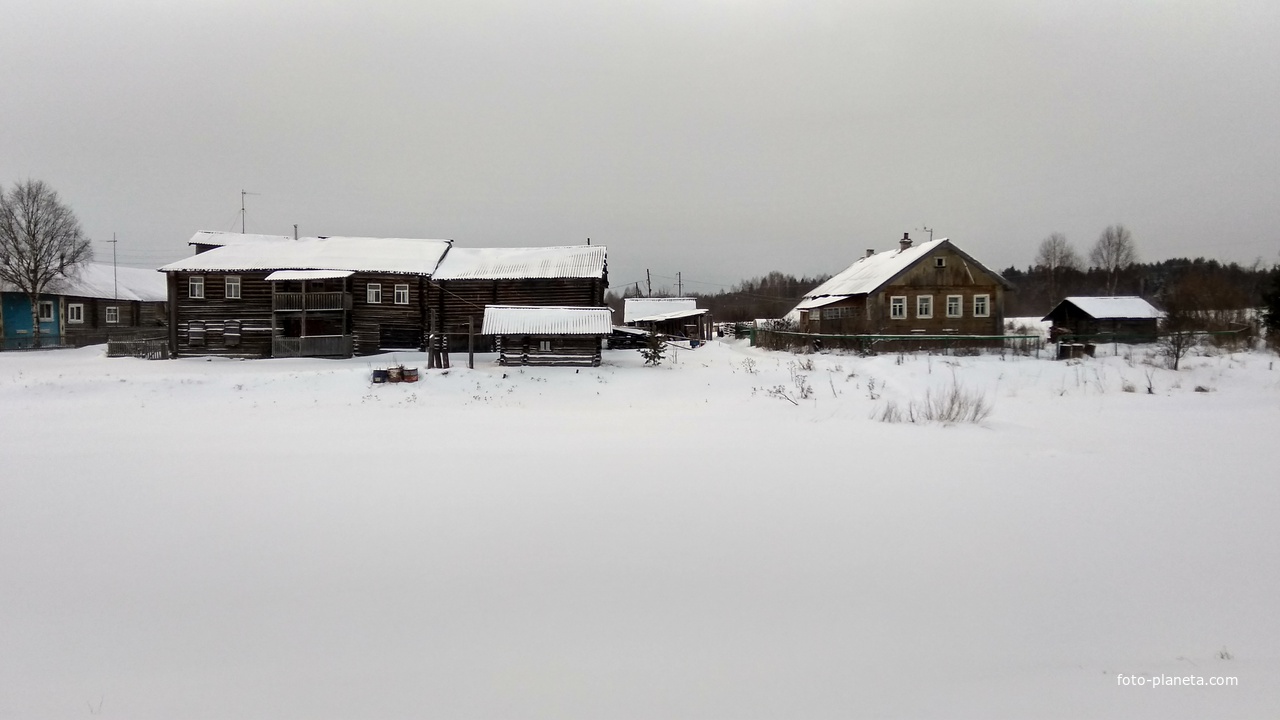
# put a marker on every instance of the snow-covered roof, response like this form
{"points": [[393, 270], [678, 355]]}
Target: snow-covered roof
{"points": [[102, 280], [673, 315], [574, 261], [361, 254], [634, 309], [308, 274], [869, 273], [214, 237], [546, 320], [1119, 307]]}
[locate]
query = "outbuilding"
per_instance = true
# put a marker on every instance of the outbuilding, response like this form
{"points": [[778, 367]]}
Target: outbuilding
{"points": [[547, 335], [1126, 319]]}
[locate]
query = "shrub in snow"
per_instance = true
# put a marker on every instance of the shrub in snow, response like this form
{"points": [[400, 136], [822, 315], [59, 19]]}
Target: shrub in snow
{"points": [[654, 349]]}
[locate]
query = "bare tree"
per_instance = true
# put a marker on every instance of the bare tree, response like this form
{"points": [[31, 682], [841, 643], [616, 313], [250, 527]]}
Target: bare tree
{"points": [[1054, 256], [1113, 252], [40, 242]]}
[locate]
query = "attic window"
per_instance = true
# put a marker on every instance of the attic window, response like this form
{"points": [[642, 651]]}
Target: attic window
{"points": [[939, 262]]}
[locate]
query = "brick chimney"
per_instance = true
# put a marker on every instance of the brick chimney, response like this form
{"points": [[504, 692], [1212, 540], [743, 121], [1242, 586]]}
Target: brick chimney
{"points": [[871, 251], [905, 242]]}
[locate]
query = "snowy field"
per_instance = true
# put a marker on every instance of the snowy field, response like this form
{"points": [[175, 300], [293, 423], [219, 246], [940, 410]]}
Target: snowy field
{"points": [[281, 539]]}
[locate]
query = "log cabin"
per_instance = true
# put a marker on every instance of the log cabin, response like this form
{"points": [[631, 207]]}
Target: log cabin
{"points": [[548, 335], [930, 289], [1109, 319], [275, 296], [94, 302]]}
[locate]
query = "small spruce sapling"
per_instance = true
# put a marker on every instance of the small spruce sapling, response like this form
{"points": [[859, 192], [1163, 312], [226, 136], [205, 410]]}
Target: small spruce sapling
{"points": [[654, 349]]}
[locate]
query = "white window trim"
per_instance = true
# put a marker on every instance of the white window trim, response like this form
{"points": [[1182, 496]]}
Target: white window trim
{"points": [[373, 293], [959, 306], [40, 314], [229, 282], [195, 287], [399, 289], [901, 303], [544, 346], [75, 313], [986, 304], [924, 315], [112, 310]]}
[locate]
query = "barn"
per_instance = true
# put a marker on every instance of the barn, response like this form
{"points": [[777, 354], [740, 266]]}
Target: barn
{"points": [[674, 317], [533, 335], [1126, 319]]}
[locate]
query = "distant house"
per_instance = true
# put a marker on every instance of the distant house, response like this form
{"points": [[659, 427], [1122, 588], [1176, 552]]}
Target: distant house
{"points": [[1118, 319], [933, 288], [529, 335], [676, 317], [95, 302], [274, 296]]}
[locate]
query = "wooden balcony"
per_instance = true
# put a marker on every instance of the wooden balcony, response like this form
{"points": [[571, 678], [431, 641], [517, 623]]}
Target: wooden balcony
{"points": [[297, 301], [312, 345]]}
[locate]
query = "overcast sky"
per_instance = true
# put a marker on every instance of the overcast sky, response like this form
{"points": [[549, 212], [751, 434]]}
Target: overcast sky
{"points": [[720, 138]]}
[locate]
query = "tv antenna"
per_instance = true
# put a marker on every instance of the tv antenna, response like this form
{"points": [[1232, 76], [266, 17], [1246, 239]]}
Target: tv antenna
{"points": [[244, 192], [924, 229]]}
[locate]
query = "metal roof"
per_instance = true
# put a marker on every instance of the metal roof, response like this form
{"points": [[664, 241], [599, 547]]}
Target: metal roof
{"points": [[1113, 308], [308, 274], [634, 309], [406, 256], [573, 261], [214, 237], [673, 315], [546, 320], [103, 280]]}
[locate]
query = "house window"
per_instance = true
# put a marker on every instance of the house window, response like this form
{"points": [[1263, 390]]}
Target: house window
{"points": [[955, 306], [195, 287], [402, 295], [898, 307], [544, 346], [231, 333], [113, 314], [75, 313], [233, 287], [939, 262], [835, 313], [373, 293], [924, 307], [982, 306], [195, 333], [44, 311]]}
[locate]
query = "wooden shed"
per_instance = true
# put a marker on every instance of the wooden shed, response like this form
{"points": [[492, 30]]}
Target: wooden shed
{"points": [[541, 335], [1126, 319], [674, 317]]}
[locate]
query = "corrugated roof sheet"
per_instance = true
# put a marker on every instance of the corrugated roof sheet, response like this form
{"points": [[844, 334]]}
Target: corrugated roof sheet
{"points": [[635, 308], [546, 320], [574, 261], [1120, 307], [308, 274], [673, 315], [101, 280], [390, 255], [213, 237]]}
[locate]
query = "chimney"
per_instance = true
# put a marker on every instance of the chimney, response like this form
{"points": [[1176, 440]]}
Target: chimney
{"points": [[905, 242], [871, 251]]}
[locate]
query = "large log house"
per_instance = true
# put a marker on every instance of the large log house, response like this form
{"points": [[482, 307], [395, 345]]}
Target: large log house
{"points": [[276, 296]]}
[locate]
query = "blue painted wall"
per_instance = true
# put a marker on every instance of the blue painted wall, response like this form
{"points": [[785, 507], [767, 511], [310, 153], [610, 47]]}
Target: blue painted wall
{"points": [[17, 321]]}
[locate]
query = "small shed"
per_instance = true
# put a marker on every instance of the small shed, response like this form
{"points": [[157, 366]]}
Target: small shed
{"points": [[1127, 319], [675, 317], [547, 335]]}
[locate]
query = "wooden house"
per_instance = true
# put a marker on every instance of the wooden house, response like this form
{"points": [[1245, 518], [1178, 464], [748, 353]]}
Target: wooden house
{"points": [[274, 296], [674, 317], [1109, 319], [930, 289], [95, 302], [527, 335]]}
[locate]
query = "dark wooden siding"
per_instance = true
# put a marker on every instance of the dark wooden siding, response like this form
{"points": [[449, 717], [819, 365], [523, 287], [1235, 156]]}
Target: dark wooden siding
{"points": [[252, 313], [571, 350], [386, 324]]}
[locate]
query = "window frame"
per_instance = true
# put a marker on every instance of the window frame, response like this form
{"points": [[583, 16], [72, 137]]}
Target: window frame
{"points": [[41, 316], [544, 345], [75, 313], [111, 315], [940, 262], [897, 307], [959, 305], [195, 287], [373, 293], [924, 300], [229, 282], [396, 294], [986, 305]]}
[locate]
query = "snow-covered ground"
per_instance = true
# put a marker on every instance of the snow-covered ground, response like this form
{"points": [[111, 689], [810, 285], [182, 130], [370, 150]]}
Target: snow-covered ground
{"points": [[279, 538]]}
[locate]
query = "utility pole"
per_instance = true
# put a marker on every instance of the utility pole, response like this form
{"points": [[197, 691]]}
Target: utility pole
{"points": [[679, 285], [648, 282], [115, 281], [243, 192]]}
